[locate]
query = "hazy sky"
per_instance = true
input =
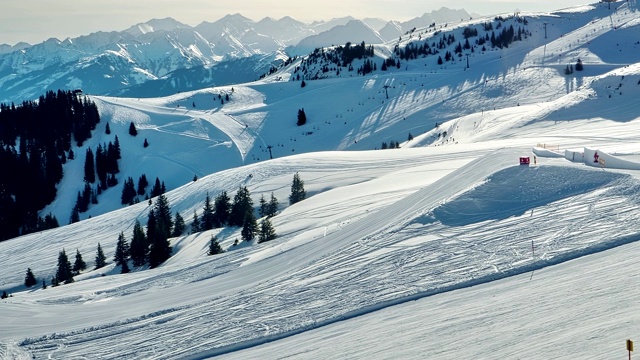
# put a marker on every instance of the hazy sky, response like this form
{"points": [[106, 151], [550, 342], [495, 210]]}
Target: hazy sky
{"points": [[34, 21]]}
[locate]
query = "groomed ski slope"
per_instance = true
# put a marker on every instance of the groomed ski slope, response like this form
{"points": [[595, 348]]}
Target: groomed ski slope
{"points": [[446, 248], [406, 249]]}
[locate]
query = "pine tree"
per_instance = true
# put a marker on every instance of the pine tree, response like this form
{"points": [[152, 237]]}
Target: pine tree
{"points": [[579, 66], [112, 155], [263, 210], [44, 284], [146, 143], [30, 279], [214, 246], [267, 232], [142, 184], [89, 167], [75, 215], [163, 216], [100, 258], [159, 247], [101, 166], [178, 225], [64, 274], [272, 207], [302, 117], [132, 129], [122, 254], [128, 192], [157, 188], [79, 263], [195, 226], [139, 248], [297, 190], [249, 227], [107, 129], [222, 209], [207, 215], [242, 204], [116, 149]]}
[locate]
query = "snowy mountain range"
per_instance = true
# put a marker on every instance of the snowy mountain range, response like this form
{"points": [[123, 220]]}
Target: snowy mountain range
{"points": [[443, 248], [179, 56]]}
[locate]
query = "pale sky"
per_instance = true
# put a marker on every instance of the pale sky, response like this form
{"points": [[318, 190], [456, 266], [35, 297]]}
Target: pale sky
{"points": [[34, 21]]}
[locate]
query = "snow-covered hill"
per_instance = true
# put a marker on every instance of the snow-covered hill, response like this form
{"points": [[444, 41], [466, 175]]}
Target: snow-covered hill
{"points": [[444, 248]]}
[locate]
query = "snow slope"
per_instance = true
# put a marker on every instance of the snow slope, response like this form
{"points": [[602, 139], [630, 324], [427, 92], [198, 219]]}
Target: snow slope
{"points": [[445, 248]]}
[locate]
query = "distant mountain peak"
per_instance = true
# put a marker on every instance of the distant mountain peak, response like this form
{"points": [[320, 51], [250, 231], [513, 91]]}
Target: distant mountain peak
{"points": [[153, 25]]}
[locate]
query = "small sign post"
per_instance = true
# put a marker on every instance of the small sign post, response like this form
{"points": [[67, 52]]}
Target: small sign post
{"points": [[629, 347]]}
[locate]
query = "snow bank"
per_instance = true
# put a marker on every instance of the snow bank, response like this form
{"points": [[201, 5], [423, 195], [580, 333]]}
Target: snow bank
{"points": [[599, 158], [542, 152]]}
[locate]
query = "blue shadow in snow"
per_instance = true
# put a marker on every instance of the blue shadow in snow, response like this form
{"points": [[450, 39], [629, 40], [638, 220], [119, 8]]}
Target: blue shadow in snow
{"points": [[515, 190]]}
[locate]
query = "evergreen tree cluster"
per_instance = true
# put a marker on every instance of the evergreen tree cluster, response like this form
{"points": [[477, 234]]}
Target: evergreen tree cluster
{"points": [[43, 131], [436, 45], [152, 248], [106, 161], [469, 32], [367, 67], [391, 145], [282, 65], [268, 209], [105, 166], [334, 60], [65, 271], [239, 213], [506, 37], [349, 52], [130, 191]]}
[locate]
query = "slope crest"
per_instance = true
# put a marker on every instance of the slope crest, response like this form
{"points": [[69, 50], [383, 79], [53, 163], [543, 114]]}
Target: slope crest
{"points": [[515, 190]]}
